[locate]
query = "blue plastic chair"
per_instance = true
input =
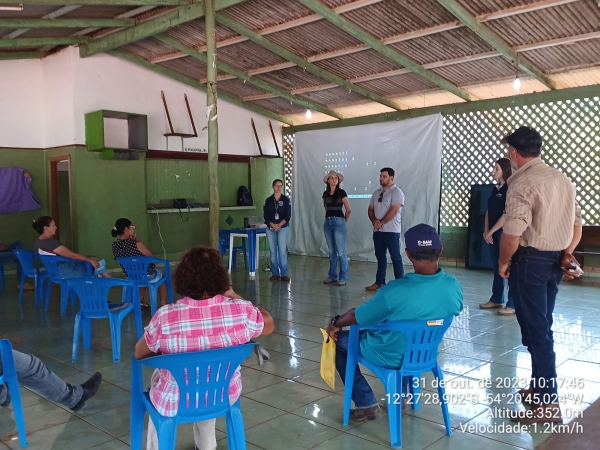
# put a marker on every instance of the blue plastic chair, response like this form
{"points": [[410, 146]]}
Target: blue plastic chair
{"points": [[9, 376], [52, 265], [137, 272], [224, 236], [30, 268], [203, 376], [422, 341], [93, 301]]}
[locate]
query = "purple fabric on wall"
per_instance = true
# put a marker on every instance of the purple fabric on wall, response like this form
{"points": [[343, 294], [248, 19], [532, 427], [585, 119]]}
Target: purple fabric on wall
{"points": [[15, 191]]}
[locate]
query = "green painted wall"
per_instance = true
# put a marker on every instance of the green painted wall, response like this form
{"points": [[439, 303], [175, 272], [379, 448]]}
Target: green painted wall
{"points": [[102, 191], [454, 240], [191, 182], [64, 208], [17, 227]]}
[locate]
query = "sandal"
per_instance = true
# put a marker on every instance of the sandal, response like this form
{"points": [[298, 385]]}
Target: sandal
{"points": [[144, 306]]}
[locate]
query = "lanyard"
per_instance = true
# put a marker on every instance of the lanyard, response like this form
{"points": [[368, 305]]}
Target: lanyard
{"points": [[276, 204]]}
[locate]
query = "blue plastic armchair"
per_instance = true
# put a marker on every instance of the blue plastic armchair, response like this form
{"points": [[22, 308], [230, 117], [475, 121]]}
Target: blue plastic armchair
{"points": [[9, 376], [224, 236], [137, 272], [203, 379], [93, 301], [30, 268], [52, 265], [422, 341]]}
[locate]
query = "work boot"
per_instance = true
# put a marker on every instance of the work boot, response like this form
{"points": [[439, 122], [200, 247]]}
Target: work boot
{"points": [[372, 288], [362, 414], [490, 305]]}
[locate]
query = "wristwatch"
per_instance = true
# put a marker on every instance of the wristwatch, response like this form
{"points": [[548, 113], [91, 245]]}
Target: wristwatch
{"points": [[334, 320]]}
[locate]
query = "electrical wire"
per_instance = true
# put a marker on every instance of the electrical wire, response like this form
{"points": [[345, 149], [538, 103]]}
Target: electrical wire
{"points": [[162, 241]]}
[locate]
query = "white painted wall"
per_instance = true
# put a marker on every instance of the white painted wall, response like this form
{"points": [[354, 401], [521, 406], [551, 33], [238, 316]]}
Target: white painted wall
{"points": [[21, 114], [52, 96], [58, 100], [106, 82]]}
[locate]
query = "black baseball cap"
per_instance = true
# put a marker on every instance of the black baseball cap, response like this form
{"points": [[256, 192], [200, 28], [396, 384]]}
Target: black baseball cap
{"points": [[525, 139]]}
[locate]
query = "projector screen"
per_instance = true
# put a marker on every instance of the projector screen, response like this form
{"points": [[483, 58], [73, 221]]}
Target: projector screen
{"points": [[412, 147]]}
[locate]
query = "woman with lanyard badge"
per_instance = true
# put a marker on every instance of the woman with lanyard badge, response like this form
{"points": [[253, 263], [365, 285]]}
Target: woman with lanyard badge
{"points": [[494, 220], [277, 214], [335, 200]]}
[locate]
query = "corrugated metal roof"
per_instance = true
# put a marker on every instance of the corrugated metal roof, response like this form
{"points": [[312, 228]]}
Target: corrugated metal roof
{"points": [[578, 54], [248, 56], [477, 71], [193, 34], [148, 48], [292, 78], [427, 49], [279, 106], [307, 40], [187, 66], [333, 96], [360, 64], [397, 85], [551, 23], [97, 12], [458, 54], [239, 88], [393, 17]]}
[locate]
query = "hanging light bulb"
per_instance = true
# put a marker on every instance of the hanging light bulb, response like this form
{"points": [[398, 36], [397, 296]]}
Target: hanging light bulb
{"points": [[308, 114], [517, 84]]}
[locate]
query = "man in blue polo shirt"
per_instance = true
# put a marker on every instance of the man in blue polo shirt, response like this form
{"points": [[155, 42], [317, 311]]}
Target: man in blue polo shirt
{"points": [[427, 294]]}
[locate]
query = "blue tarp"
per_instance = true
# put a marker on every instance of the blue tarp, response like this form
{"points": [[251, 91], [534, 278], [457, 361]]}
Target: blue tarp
{"points": [[15, 191]]}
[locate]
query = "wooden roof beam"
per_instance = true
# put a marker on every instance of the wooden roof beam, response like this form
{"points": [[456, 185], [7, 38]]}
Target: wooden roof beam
{"points": [[493, 39], [151, 27], [303, 63], [65, 23], [196, 84], [6, 56], [374, 43], [38, 42], [237, 73]]}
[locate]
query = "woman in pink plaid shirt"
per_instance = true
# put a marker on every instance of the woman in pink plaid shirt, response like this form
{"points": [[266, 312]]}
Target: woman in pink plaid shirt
{"points": [[209, 316]]}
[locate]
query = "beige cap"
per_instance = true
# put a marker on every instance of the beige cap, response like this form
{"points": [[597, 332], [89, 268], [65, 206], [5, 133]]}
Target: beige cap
{"points": [[333, 172]]}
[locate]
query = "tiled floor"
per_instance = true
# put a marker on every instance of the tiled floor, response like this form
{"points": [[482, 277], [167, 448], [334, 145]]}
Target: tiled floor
{"points": [[285, 403]]}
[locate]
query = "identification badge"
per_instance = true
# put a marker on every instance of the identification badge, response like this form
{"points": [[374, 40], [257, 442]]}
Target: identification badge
{"points": [[276, 216]]}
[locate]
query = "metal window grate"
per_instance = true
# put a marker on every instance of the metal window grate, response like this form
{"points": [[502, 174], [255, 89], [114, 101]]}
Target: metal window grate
{"points": [[471, 144]]}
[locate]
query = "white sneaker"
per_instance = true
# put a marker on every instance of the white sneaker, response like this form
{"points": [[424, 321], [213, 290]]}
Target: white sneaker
{"points": [[506, 311]]}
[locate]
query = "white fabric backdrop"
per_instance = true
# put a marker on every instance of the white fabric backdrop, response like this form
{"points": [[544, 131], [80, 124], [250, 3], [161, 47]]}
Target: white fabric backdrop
{"points": [[412, 147]]}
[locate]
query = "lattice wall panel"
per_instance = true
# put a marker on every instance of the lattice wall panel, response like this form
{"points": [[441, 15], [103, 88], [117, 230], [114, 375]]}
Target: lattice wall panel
{"points": [[288, 161], [471, 144]]}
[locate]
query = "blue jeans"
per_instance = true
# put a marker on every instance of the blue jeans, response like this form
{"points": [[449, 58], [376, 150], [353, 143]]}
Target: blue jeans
{"points": [[34, 375], [362, 394], [8, 257], [335, 235], [498, 284], [384, 242], [534, 279], [278, 245]]}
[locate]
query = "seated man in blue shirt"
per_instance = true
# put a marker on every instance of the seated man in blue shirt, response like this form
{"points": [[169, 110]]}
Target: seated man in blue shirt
{"points": [[427, 294]]}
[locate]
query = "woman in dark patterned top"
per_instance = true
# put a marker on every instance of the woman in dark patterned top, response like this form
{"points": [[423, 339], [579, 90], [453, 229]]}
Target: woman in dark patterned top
{"points": [[337, 213], [127, 245]]}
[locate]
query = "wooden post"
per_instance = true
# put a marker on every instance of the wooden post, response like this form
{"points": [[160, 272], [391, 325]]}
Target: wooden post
{"points": [[213, 127]]}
